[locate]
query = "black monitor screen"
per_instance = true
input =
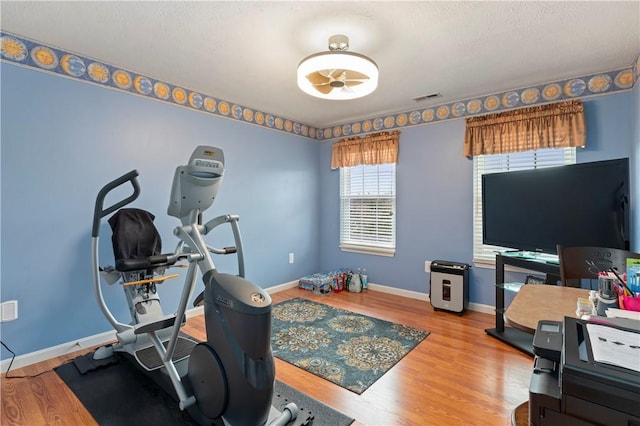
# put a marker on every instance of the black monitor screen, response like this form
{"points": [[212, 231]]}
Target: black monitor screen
{"points": [[584, 204]]}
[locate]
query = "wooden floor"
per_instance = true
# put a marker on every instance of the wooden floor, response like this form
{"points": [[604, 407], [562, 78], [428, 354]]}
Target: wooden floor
{"points": [[456, 376]]}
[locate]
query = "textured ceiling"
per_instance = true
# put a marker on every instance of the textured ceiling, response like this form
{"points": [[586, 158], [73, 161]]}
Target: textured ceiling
{"points": [[247, 52]]}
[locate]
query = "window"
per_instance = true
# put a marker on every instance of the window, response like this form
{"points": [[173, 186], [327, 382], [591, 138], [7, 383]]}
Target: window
{"points": [[483, 164], [367, 209]]}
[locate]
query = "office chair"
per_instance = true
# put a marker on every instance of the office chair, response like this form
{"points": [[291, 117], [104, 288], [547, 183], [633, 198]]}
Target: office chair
{"points": [[577, 263]]}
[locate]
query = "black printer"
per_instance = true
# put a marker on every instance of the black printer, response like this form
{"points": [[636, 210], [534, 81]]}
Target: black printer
{"points": [[579, 391]]}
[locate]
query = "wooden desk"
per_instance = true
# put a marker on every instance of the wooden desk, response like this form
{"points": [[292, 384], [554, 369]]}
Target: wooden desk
{"points": [[535, 302]]}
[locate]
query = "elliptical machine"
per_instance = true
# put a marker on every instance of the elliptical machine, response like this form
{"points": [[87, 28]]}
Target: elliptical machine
{"points": [[229, 378]]}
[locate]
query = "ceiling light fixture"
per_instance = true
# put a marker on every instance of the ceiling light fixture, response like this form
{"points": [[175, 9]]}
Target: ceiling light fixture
{"points": [[338, 74]]}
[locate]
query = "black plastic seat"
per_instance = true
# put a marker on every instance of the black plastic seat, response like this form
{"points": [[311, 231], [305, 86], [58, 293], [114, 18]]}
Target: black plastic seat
{"points": [[136, 242]]}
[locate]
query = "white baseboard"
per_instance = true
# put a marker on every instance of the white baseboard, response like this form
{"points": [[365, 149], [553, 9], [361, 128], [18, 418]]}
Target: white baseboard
{"points": [[399, 292], [109, 336], [58, 350], [486, 309], [282, 287], [66, 348]]}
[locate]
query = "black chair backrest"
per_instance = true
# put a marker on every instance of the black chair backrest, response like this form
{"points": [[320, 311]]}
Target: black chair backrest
{"points": [[577, 263], [134, 234]]}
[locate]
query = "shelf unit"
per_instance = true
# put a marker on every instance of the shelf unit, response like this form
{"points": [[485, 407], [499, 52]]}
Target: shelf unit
{"points": [[516, 338]]}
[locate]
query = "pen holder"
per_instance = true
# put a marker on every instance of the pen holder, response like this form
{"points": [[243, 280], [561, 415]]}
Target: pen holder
{"points": [[604, 304]]}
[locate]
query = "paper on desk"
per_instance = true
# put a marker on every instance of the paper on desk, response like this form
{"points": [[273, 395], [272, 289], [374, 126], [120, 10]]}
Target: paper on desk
{"points": [[622, 313], [614, 346]]}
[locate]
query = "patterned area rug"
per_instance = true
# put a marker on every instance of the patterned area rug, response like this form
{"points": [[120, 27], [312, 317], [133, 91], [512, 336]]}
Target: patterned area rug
{"points": [[348, 349]]}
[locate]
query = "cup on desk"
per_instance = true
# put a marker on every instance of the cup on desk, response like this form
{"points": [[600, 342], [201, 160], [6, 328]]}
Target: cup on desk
{"points": [[604, 304], [606, 287]]}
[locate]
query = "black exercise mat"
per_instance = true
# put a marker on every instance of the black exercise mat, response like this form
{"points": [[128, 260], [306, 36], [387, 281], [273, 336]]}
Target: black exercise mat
{"points": [[116, 393]]}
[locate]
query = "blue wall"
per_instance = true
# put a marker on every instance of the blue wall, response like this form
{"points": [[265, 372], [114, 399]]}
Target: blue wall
{"points": [[433, 208], [63, 140], [434, 198]]}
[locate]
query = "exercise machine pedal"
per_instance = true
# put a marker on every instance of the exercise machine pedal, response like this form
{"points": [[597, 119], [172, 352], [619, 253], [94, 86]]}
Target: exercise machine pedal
{"points": [[148, 357], [161, 324]]}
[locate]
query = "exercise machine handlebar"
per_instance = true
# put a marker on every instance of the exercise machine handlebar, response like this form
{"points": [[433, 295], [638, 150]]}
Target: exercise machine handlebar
{"points": [[99, 211]]}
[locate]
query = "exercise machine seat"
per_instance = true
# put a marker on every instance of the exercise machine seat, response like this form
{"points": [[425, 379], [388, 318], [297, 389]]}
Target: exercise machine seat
{"points": [[136, 242]]}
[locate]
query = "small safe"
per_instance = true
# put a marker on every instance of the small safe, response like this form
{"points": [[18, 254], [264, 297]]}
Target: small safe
{"points": [[449, 286]]}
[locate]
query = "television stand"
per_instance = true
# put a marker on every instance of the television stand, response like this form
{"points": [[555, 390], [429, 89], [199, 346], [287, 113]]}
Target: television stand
{"points": [[514, 337]]}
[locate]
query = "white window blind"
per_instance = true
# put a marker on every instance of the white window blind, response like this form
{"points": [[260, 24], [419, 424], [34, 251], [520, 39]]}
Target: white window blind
{"points": [[484, 164], [367, 209]]}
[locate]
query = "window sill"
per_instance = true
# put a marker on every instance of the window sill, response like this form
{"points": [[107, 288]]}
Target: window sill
{"points": [[376, 251], [484, 263]]}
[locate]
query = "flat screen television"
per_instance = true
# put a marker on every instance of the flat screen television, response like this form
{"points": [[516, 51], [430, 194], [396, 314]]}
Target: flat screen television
{"points": [[585, 204]]}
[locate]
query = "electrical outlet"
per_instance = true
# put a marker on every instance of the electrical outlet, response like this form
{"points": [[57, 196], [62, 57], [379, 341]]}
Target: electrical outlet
{"points": [[291, 258], [9, 311], [427, 266]]}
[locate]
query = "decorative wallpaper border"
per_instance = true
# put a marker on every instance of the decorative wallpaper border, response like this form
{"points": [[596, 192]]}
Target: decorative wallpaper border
{"points": [[38, 56], [574, 88]]}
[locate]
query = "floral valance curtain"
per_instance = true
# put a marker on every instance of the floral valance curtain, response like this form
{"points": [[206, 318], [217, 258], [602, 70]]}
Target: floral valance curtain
{"points": [[375, 148], [557, 125]]}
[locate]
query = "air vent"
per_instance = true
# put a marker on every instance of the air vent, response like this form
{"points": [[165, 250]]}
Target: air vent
{"points": [[425, 97]]}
